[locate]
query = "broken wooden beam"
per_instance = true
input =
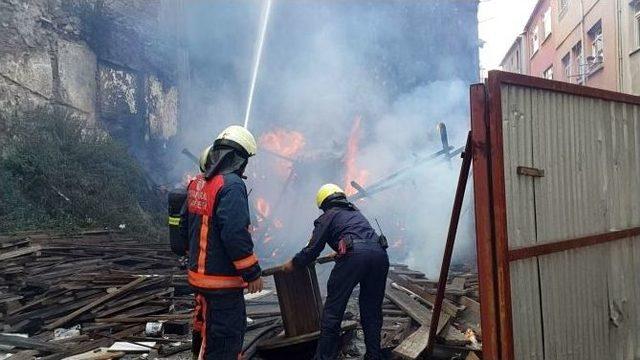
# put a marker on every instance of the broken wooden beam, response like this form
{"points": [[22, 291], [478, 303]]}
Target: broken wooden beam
{"points": [[20, 252], [95, 303], [413, 345]]}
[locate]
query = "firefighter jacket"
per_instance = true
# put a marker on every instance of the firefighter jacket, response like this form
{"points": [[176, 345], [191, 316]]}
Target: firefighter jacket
{"points": [[216, 221], [339, 222]]}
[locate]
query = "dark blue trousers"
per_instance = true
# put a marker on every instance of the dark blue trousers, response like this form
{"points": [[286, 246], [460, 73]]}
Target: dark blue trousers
{"points": [[225, 322], [367, 265]]}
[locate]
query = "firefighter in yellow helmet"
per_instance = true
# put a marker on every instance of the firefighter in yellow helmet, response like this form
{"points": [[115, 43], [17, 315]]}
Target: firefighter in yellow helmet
{"points": [[221, 259], [361, 259]]}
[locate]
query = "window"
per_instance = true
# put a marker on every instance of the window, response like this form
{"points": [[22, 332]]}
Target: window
{"points": [[577, 63], [548, 74], [546, 22], [597, 46], [562, 7], [566, 65], [535, 40]]}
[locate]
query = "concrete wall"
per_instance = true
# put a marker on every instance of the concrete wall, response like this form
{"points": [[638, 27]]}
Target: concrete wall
{"points": [[114, 63]]}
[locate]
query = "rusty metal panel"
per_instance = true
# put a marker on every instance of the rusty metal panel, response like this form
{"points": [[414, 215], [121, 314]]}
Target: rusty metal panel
{"points": [[527, 313], [517, 127], [582, 303]]}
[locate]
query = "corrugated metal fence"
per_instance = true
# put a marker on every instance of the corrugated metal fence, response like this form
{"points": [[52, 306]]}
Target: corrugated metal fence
{"points": [[557, 192]]}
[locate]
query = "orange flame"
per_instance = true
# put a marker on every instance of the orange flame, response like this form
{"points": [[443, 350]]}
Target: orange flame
{"points": [[352, 172], [284, 143], [263, 207]]}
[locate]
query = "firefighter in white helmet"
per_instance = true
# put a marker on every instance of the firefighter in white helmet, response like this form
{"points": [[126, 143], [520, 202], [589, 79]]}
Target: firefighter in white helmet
{"points": [[361, 259], [221, 259]]}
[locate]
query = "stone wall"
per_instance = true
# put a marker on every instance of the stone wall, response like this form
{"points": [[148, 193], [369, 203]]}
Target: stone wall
{"points": [[113, 63]]}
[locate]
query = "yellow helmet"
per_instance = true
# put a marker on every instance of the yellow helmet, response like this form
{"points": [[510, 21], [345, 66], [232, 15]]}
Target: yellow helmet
{"points": [[239, 138], [204, 157], [325, 191]]}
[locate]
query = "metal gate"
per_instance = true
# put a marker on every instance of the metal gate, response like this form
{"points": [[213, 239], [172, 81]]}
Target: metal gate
{"points": [[556, 170]]}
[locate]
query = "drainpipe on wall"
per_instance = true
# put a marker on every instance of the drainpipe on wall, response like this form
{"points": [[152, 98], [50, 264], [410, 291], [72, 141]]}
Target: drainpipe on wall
{"points": [[619, 51], [582, 67]]}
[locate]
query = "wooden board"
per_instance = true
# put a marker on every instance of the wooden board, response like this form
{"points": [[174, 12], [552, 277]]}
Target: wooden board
{"points": [[414, 309], [93, 304], [300, 301], [283, 341], [406, 282], [413, 345], [19, 252]]}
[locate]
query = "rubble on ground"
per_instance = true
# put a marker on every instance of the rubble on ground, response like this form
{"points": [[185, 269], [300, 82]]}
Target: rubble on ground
{"points": [[99, 294]]}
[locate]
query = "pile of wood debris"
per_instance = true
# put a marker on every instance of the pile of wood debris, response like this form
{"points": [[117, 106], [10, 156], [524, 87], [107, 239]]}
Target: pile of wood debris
{"points": [[66, 295], [410, 294], [99, 295]]}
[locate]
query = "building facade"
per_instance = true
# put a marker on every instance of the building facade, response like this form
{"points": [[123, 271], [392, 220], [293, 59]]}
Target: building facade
{"points": [[517, 58], [630, 40], [590, 42], [540, 38]]}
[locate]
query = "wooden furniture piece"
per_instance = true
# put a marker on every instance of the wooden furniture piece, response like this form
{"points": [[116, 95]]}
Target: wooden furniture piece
{"points": [[300, 300]]}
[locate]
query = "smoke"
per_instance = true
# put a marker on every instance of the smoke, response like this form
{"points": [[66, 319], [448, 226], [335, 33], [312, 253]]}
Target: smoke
{"points": [[399, 66]]}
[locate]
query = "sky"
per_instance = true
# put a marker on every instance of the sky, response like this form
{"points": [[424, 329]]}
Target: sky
{"points": [[500, 21]]}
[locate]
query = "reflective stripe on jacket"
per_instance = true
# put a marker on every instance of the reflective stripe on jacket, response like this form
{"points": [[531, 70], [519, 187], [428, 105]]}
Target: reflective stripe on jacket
{"points": [[216, 221]]}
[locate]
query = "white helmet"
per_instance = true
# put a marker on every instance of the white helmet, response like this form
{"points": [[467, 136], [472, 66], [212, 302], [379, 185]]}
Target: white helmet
{"points": [[204, 157], [239, 138]]}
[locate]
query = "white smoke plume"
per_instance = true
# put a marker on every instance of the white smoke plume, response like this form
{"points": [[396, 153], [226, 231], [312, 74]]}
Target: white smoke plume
{"points": [[401, 67]]}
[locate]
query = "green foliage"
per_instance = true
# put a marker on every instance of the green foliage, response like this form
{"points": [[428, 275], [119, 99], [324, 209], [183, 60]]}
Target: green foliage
{"points": [[54, 173]]}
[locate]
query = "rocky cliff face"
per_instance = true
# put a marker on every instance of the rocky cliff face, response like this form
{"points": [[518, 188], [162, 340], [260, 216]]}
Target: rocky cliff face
{"points": [[117, 64]]}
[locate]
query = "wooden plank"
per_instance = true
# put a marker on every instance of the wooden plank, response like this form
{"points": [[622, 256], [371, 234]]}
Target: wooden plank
{"points": [[457, 284], [102, 354], [278, 342], [20, 252], [29, 344], [470, 316], [24, 355], [412, 273], [79, 349], [128, 319], [414, 309], [95, 303], [430, 298], [300, 300], [133, 303], [472, 356], [414, 345]]}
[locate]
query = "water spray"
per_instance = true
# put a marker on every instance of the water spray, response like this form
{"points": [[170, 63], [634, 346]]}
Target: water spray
{"points": [[256, 65]]}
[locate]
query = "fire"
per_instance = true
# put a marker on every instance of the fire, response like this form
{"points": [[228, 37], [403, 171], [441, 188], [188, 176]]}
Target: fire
{"points": [[263, 207], [470, 336], [352, 172], [284, 143]]}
